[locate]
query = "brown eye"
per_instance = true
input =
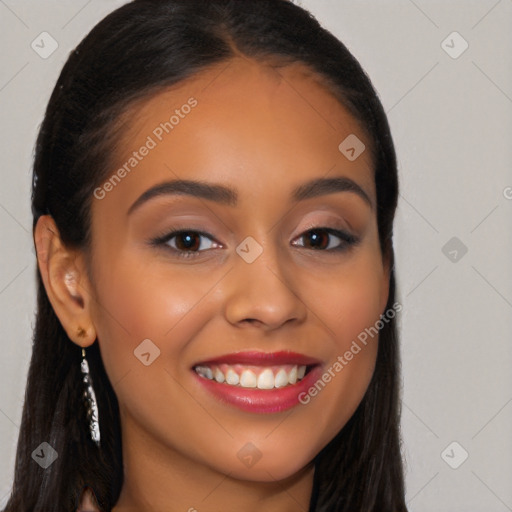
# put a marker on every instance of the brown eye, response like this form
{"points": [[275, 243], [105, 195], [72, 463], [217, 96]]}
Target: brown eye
{"points": [[320, 239], [317, 239], [187, 241]]}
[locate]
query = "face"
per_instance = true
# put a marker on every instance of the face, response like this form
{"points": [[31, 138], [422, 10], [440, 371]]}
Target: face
{"points": [[262, 286]]}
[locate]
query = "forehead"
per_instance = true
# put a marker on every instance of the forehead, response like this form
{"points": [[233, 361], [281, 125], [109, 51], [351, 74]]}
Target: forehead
{"points": [[248, 86], [251, 124]]}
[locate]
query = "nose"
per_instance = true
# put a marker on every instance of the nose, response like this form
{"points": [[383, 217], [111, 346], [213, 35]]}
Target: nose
{"points": [[263, 293]]}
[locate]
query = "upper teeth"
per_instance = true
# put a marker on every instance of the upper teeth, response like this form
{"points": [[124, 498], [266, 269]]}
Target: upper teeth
{"points": [[253, 377]]}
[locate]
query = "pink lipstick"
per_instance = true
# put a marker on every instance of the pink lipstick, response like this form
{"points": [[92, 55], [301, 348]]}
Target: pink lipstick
{"points": [[258, 382]]}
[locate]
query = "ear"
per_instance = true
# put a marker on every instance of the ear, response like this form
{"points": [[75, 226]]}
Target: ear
{"points": [[64, 275]]}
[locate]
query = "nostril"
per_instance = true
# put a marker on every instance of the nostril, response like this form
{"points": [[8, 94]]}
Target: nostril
{"points": [[250, 320]]}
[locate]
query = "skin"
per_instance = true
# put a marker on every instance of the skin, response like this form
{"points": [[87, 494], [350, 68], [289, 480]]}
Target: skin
{"points": [[262, 132]]}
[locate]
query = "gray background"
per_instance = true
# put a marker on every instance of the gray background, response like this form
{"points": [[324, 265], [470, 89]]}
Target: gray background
{"points": [[452, 123]]}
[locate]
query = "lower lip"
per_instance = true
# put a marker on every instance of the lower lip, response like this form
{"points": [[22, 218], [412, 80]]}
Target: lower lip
{"points": [[261, 400]]}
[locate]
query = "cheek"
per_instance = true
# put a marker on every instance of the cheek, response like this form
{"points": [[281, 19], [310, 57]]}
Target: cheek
{"points": [[348, 299], [359, 310], [350, 307], [136, 303]]}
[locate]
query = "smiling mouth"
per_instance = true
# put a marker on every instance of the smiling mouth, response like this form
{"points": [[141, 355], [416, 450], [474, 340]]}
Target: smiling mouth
{"points": [[257, 370], [258, 382], [253, 376]]}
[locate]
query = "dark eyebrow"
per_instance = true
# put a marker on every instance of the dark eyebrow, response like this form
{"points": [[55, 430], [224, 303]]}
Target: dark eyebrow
{"points": [[217, 193], [229, 196], [324, 186]]}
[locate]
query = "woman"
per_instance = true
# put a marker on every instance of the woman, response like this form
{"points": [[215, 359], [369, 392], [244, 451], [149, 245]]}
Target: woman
{"points": [[214, 192]]}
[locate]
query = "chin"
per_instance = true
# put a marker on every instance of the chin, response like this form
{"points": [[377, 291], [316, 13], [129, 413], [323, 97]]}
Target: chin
{"points": [[270, 468]]}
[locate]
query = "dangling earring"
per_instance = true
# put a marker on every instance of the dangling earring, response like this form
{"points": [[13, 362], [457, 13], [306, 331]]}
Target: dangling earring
{"points": [[90, 401]]}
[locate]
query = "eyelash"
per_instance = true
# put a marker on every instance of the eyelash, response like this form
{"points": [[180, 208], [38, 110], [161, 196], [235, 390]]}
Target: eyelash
{"points": [[347, 239]]}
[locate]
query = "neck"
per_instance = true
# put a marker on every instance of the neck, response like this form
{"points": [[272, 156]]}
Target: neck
{"points": [[159, 479]]}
